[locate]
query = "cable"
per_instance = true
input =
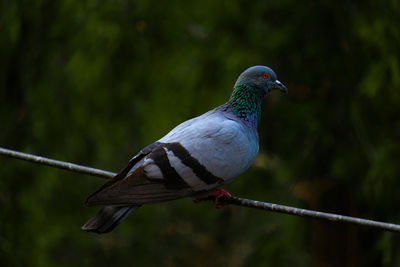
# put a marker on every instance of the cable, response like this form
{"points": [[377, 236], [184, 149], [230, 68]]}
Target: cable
{"points": [[230, 200]]}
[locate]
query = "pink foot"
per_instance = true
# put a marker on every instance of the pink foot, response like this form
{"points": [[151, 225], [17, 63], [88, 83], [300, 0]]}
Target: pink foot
{"points": [[217, 194]]}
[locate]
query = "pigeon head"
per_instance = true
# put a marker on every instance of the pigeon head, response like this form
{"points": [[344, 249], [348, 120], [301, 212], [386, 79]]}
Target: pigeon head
{"points": [[250, 88], [262, 78]]}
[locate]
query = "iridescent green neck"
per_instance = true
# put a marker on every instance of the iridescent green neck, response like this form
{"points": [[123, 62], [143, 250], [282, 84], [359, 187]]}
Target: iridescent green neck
{"points": [[245, 103]]}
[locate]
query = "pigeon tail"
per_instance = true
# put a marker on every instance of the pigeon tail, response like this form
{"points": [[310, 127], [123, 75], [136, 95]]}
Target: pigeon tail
{"points": [[108, 218]]}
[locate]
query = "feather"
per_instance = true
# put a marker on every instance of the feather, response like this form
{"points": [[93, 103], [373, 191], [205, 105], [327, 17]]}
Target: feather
{"points": [[107, 219], [136, 189]]}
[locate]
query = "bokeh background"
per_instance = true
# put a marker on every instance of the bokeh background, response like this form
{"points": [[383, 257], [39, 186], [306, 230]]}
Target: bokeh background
{"points": [[92, 82]]}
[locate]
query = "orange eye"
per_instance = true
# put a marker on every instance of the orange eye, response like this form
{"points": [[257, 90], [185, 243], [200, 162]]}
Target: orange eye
{"points": [[265, 75]]}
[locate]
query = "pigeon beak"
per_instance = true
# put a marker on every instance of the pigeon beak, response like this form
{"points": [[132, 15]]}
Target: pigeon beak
{"points": [[279, 86]]}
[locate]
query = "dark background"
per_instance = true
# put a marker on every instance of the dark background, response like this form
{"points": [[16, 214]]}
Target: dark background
{"points": [[92, 82]]}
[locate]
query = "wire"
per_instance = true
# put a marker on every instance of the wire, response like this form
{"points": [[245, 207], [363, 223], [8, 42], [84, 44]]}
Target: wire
{"points": [[230, 200], [56, 163]]}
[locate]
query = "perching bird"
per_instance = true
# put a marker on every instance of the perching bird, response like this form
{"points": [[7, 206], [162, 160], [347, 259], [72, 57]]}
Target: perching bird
{"points": [[193, 159]]}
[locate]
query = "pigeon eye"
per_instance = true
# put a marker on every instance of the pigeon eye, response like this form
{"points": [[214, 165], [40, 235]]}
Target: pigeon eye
{"points": [[265, 75]]}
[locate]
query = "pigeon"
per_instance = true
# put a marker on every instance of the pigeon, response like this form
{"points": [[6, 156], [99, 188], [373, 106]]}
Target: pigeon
{"points": [[192, 160]]}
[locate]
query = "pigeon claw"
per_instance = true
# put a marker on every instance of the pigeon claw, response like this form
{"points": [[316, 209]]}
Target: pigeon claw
{"points": [[216, 195]]}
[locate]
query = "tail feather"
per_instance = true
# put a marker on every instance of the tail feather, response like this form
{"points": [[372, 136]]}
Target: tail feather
{"points": [[108, 218]]}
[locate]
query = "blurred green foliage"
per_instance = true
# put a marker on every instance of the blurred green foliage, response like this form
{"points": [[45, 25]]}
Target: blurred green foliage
{"points": [[93, 81]]}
